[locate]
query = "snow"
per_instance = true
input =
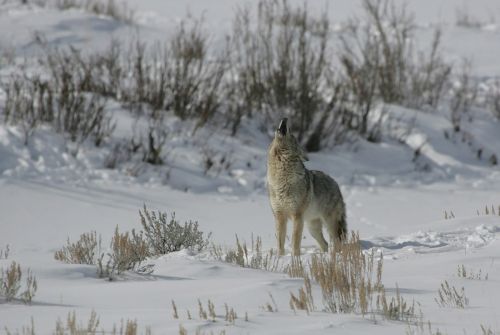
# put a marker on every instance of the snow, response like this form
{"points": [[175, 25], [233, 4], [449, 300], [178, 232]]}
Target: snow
{"points": [[396, 201]]}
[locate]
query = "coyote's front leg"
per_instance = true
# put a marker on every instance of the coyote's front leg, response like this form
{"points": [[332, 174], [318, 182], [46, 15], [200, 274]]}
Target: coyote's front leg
{"points": [[298, 227], [280, 220]]}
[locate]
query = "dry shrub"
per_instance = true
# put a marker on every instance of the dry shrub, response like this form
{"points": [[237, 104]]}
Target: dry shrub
{"points": [[148, 82], [180, 77], [164, 236], [383, 50], [10, 284], [448, 296], [25, 104], [429, 77], [194, 79], [31, 102], [126, 252], [156, 138], [280, 66], [79, 113], [85, 251], [100, 73], [346, 276]]}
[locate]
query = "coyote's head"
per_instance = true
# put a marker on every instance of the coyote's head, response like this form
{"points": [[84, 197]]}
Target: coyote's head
{"points": [[285, 142]]}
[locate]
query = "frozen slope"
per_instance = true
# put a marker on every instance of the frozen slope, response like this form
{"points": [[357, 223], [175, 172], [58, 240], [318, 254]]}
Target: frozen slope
{"points": [[420, 253]]}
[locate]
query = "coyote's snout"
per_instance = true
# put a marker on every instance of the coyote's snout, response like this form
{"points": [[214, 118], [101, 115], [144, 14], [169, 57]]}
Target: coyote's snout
{"points": [[299, 194]]}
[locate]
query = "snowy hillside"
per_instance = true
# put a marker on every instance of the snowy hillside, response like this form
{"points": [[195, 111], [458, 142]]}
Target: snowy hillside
{"points": [[423, 194]]}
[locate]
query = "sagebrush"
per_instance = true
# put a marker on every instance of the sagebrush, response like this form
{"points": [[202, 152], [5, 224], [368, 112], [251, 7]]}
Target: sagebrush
{"points": [[164, 235]]}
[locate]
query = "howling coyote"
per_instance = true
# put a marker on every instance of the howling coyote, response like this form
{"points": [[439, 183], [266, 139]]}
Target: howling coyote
{"points": [[301, 195]]}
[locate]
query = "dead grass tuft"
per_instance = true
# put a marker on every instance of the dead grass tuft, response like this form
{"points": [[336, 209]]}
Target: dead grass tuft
{"points": [[448, 296], [231, 315], [462, 272], [4, 253], [486, 330], [397, 309], [271, 306], [296, 269], [175, 314], [201, 311], [490, 210], [10, 284], [304, 299], [421, 328], [254, 258], [71, 326], [346, 277], [449, 216]]}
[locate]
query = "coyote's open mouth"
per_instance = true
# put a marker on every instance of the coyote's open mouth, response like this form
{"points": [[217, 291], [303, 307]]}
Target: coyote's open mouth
{"points": [[282, 128]]}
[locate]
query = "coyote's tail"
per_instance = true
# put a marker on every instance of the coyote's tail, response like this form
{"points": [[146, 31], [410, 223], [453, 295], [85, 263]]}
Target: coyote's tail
{"points": [[342, 226]]}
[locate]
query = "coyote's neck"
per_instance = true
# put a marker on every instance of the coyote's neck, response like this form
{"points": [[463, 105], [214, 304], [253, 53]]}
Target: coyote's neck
{"points": [[286, 167]]}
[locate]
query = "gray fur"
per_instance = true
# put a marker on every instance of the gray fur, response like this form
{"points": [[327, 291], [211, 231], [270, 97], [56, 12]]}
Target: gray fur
{"points": [[300, 194]]}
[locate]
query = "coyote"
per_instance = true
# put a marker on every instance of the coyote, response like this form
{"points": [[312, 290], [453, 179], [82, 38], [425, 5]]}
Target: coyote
{"points": [[301, 195]]}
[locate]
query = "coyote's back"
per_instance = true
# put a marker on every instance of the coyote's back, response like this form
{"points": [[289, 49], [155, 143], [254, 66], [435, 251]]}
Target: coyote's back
{"points": [[300, 194]]}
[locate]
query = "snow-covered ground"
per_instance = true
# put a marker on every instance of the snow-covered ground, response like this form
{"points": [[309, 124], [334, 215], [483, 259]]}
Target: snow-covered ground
{"points": [[395, 200]]}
